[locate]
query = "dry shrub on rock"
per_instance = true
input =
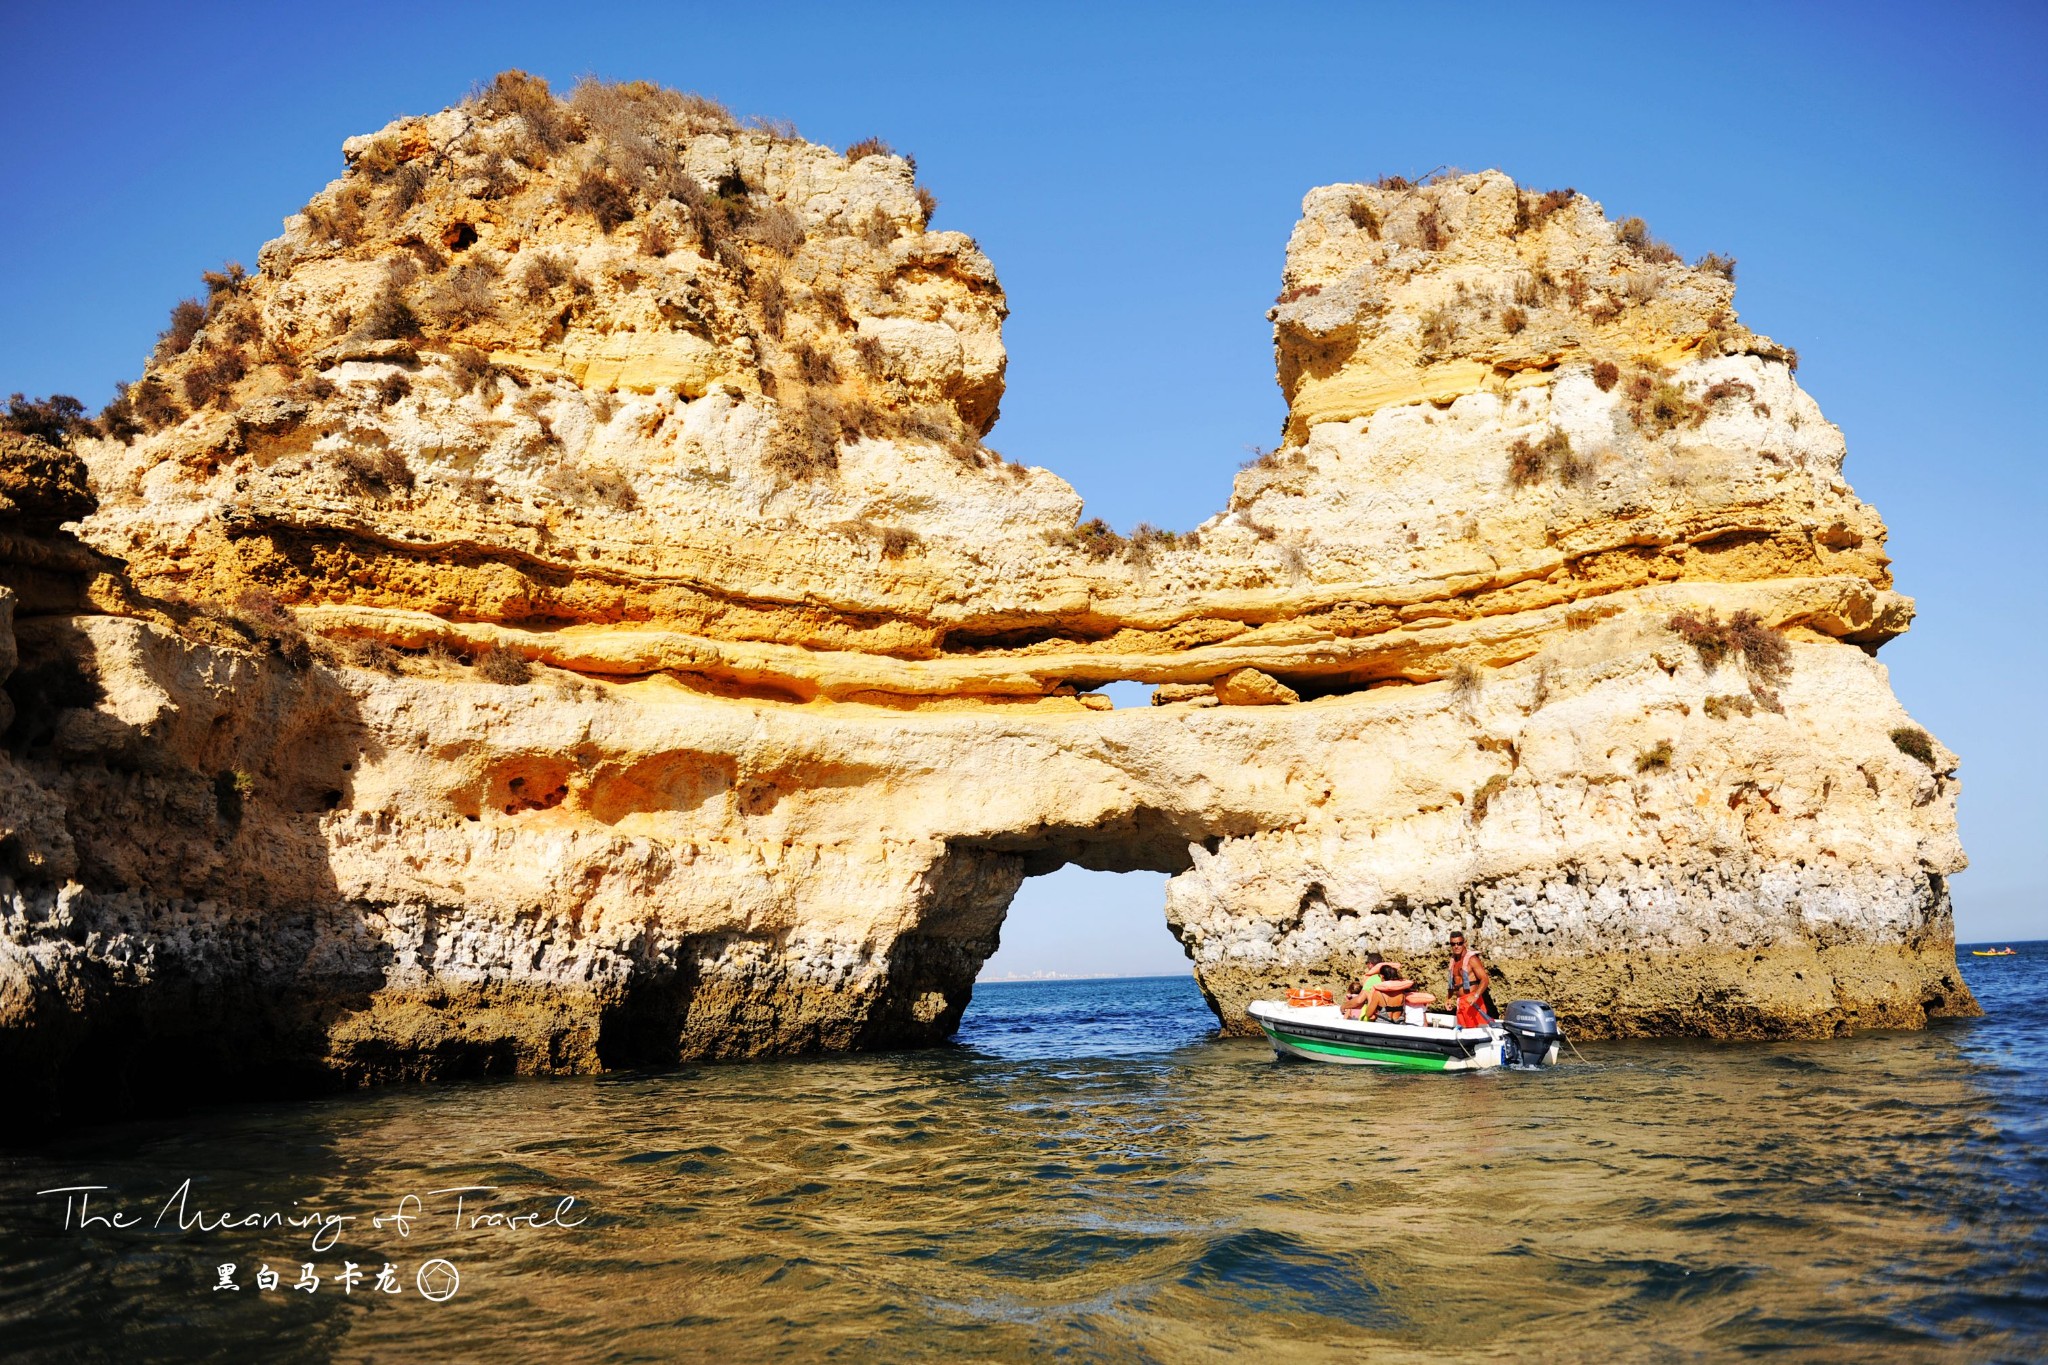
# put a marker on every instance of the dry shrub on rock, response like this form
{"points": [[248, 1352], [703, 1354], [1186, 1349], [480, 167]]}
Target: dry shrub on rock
{"points": [[265, 620], [602, 197], [776, 228], [497, 179], [149, 402], [404, 188], [1147, 539], [1915, 743], [471, 369], [1634, 234], [1656, 404], [1430, 230], [378, 472], [213, 376], [1761, 650], [118, 419], [55, 419], [1721, 707], [339, 216], [1439, 330], [388, 317], [813, 366], [804, 442], [543, 128], [187, 317], [465, 297], [1553, 458], [503, 666], [702, 114], [374, 655], [1534, 210], [879, 230], [1094, 538], [625, 121], [1720, 392], [544, 274]]}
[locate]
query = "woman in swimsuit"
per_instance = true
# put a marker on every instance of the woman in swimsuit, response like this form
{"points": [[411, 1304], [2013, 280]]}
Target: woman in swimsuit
{"points": [[1377, 997]]}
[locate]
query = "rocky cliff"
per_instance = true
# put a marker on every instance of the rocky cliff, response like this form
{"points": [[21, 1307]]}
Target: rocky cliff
{"points": [[559, 612]]}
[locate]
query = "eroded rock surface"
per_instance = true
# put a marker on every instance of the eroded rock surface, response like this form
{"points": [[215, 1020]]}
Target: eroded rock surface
{"points": [[559, 613]]}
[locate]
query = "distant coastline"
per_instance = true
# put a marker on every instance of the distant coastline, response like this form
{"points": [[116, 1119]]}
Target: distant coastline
{"points": [[1038, 978]]}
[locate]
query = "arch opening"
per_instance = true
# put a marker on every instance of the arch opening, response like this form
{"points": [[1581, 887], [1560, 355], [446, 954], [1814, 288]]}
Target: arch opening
{"points": [[1087, 966], [1076, 923], [1083, 898]]}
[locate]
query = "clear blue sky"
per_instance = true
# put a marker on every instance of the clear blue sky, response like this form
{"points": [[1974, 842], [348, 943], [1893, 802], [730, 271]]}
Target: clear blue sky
{"points": [[1877, 169]]}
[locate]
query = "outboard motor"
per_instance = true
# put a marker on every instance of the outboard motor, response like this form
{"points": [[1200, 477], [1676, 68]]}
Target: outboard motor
{"points": [[1532, 1034]]}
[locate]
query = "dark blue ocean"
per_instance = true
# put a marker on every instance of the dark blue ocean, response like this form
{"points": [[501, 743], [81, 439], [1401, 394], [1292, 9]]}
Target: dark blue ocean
{"points": [[1088, 1174]]}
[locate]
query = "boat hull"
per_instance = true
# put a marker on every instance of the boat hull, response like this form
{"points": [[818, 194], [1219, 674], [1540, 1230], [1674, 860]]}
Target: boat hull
{"points": [[1321, 1034]]}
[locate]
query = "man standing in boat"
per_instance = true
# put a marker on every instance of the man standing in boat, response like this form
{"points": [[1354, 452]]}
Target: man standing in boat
{"points": [[1471, 984]]}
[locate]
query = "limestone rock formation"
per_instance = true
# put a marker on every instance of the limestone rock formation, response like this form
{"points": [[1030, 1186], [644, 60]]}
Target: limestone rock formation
{"points": [[559, 613]]}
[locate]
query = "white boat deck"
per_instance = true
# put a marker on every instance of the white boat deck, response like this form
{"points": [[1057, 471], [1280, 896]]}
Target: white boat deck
{"points": [[1441, 1025]]}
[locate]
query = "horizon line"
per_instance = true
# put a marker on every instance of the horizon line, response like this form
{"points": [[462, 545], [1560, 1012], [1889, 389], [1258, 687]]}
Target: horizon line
{"points": [[1014, 979]]}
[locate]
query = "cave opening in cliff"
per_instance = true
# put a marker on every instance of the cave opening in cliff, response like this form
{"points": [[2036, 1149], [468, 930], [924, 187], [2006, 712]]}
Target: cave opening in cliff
{"points": [[1076, 922], [1127, 694]]}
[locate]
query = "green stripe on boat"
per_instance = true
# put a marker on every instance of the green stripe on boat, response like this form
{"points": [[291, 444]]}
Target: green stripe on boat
{"points": [[1413, 1061]]}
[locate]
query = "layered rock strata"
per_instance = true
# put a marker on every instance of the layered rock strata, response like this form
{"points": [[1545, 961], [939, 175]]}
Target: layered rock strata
{"points": [[560, 613]]}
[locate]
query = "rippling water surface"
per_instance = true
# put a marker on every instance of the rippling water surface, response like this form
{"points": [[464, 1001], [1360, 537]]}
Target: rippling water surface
{"points": [[1091, 1174]]}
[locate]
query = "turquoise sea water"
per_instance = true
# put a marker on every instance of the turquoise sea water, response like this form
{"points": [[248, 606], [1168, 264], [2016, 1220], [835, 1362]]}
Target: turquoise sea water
{"points": [[1089, 1174]]}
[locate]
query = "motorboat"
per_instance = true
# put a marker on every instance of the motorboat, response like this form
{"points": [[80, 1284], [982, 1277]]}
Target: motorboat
{"points": [[1423, 1040]]}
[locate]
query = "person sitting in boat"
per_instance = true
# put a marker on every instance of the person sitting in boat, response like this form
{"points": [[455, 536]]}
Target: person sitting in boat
{"points": [[1383, 988], [1471, 984]]}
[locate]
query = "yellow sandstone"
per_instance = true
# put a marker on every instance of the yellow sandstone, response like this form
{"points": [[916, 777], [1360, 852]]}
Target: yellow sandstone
{"points": [[566, 617]]}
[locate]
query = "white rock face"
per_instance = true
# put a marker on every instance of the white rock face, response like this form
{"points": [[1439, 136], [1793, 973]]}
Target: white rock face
{"points": [[648, 661]]}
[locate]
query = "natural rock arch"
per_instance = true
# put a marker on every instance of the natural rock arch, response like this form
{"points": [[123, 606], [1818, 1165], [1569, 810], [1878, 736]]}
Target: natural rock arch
{"points": [[717, 684]]}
